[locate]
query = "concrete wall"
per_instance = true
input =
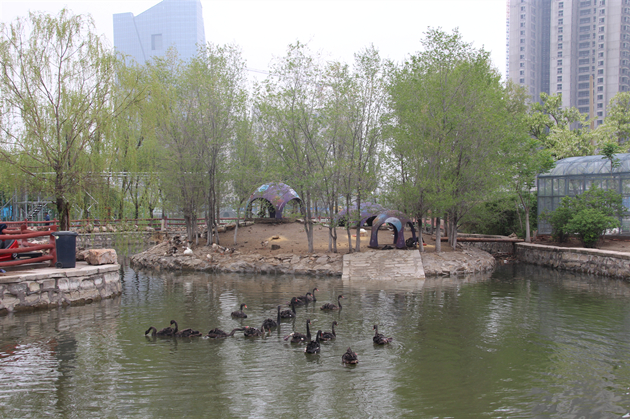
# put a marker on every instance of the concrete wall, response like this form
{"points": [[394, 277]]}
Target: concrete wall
{"points": [[52, 287], [133, 240], [592, 261], [493, 248]]}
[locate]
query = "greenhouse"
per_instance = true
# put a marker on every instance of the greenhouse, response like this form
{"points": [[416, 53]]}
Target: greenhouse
{"points": [[574, 175]]}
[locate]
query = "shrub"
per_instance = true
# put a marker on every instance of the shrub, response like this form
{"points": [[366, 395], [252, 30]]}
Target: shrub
{"points": [[587, 215], [589, 224]]}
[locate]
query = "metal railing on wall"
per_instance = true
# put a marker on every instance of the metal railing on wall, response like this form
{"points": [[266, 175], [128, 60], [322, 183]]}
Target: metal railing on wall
{"points": [[20, 231]]}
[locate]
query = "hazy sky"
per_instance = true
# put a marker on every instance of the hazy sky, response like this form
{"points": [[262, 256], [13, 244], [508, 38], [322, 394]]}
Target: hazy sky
{"points": [[263, 28]]}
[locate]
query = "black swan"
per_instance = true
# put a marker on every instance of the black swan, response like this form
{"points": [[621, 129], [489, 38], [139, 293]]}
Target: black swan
{"points": [[167, 331], [297, 337], [188, 333], [313, 346], [350, 357], [331, 306], [270, 323], [305, 299], [252, 332], [289, 314], [380, 338], [330, 335], [220, 334], [240, 313]]}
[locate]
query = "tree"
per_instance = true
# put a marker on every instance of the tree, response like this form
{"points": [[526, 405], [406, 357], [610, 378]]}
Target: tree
{"points": [[57, 88], [562, 131], [616, 126], [449, 119], [526, 156], [291, 123]]}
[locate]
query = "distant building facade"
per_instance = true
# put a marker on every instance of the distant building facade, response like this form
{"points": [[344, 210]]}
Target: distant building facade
{"points": [[579, 48], [177, 23]]}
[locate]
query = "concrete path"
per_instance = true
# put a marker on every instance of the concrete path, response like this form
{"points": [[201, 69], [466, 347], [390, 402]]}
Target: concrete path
{"points": [[383, 265]]}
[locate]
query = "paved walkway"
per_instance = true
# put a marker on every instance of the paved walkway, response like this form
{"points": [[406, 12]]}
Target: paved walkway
{"points": [[383, 265]]}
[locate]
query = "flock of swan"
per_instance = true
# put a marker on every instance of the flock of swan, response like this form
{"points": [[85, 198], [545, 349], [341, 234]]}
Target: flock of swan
{"points": [[312, 346]]}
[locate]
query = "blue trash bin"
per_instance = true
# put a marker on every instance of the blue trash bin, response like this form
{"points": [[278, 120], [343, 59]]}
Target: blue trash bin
{"points": [[66, 244]]}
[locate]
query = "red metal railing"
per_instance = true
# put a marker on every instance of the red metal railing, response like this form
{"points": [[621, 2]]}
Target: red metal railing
{"points": [[22, 233]]}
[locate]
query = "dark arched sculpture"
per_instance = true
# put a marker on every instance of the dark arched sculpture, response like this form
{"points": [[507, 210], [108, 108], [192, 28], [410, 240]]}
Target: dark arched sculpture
{"points": [[396, 219], [275, 196], [369, 211]]}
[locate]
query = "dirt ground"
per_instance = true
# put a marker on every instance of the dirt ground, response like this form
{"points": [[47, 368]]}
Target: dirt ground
{"points": [[259, 238]]}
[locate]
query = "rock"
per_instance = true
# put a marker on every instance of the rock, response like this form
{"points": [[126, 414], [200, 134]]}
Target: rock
{"points": [[275, 247], [322, 260], [81, 254], [96, 229], [149, 229], [275, 238], [101, 256]]}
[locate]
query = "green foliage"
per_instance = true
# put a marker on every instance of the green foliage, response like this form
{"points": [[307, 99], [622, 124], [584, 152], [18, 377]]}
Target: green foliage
{"points": [[554, 127], [609, 150], [589, 224], [586, 215], [502, 216]]}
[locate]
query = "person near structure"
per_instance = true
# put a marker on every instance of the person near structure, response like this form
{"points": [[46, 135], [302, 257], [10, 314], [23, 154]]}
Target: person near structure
{"points": [[47, 217]]}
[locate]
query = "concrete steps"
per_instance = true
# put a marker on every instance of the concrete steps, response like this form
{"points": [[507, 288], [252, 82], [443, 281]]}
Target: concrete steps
{"points": [[383, 265]]}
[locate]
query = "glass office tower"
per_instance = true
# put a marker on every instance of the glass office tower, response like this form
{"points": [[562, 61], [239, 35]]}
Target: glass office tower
{"points": [[176, 23]]}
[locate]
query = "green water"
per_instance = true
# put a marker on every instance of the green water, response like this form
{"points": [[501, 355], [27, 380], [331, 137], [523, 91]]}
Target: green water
{"points": [[525, 342]]}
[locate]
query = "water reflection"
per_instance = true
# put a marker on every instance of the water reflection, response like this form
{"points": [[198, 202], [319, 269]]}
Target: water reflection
{"points": [[524, 342]]}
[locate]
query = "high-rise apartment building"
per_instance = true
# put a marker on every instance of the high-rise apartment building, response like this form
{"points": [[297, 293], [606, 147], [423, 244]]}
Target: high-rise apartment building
{"points": [[177, 23], [579, 48]]}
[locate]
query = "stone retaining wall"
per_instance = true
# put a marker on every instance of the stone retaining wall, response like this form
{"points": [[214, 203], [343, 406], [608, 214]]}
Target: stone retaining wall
{"points": [[493, 248], [592, 261], [142, 239], [52, 287]]}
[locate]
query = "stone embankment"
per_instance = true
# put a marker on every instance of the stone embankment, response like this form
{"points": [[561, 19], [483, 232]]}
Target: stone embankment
{"points": [[592, 261], [52, 287], [330, 264]]}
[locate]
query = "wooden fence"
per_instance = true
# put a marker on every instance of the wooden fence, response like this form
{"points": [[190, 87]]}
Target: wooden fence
{"points": [[19, 230]]}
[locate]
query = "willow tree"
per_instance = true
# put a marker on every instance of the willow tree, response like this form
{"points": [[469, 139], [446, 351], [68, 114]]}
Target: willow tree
{"points": [[449, 118], [56, 103]]}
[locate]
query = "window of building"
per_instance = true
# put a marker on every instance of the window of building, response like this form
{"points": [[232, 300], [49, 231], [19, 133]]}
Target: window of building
{"points": [[600, 55], [602, 2], [522, 65], [601, 38], [559, 63], [602, 19], [522, 48], [560, 29], [522, 81], [583, 61], [559, 38], [560, 5], [522, 57], [600, 113], [600, 71], [560, 13], [600, 97], [600, 80], [521, 72], [602, 12], [559, 70], [522, 41], [584, 78], [559, 46], [559, 54], [156, 42], [601, 29], [522, 33], [600, 106], [600, 88], [600, 62], [522, 8], [559, 87], [585, 12], [585, 20], [601, 46], [583, 85], [522, 24], [522, 17], [559, 78], [560, 22]]}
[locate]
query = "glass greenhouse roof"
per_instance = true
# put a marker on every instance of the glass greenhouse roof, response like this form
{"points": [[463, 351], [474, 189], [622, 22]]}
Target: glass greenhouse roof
{"points": [[589, 165]]}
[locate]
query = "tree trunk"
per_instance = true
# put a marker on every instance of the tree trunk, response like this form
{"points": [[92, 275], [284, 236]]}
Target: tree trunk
{"points": [[63, 208], [528, 238], [358, 242], [438, 235], [419, 217]]}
